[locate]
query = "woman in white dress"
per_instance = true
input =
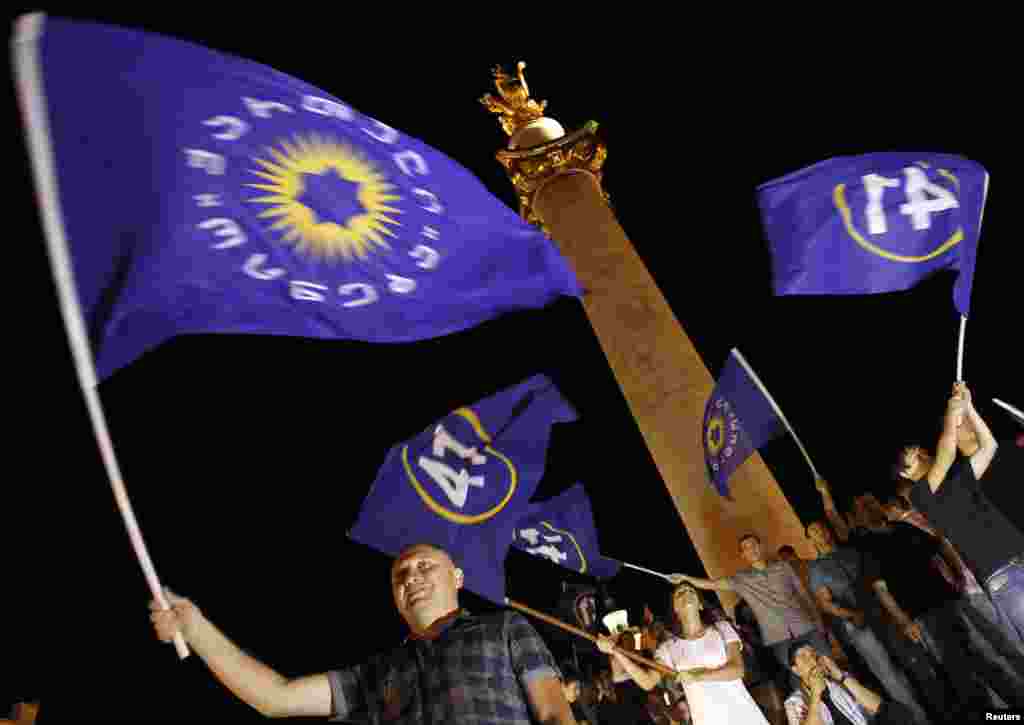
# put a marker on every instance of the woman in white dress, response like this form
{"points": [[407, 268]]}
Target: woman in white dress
{"points": [[708, 661]]}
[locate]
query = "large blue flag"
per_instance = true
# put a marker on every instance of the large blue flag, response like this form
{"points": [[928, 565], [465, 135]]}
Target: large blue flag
{"points": [[562, 530], [739, 418], [465, 481], [879, 222], [203, 193]]}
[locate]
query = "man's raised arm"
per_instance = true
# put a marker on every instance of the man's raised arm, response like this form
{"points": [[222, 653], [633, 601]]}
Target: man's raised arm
{"points": [[839, 525], [718, 585], [987, 444], [945, 451], [257, 685]]}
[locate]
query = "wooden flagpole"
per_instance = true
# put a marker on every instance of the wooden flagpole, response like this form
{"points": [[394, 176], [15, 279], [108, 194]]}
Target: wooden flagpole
{"points": [[640, 659]]}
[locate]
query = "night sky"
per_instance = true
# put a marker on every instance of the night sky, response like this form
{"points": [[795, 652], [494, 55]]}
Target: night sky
{"points": [[247, 457]]}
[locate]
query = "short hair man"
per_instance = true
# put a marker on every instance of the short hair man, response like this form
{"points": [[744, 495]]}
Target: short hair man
{"points": [[926, 616], [828, 696], [454, 667], [835, 580], [945, 489]]}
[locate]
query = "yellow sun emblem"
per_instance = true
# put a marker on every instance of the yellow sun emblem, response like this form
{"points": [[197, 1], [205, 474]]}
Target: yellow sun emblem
{"points": [[716, 435], [330, 199]]}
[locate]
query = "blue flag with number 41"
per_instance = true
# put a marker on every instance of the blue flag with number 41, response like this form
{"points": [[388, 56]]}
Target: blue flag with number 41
{"points": [[465, 481], [562, 530], [879, 222]]}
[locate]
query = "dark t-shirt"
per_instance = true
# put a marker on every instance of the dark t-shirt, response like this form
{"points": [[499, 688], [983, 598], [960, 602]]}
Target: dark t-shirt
{"points": [[963, 513], [1003, 480], [902, 558]]}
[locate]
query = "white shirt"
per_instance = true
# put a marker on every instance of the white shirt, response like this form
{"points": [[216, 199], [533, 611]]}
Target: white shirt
{"points": [[711, 702]]}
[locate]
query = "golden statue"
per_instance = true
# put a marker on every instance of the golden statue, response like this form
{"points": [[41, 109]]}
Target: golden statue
{"points": [[515, 107]]}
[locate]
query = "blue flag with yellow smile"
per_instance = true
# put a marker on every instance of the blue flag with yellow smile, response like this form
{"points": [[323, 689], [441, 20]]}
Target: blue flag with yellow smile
{"points": [[562, 530], [198, 192], [878, 222], [465, 481]]}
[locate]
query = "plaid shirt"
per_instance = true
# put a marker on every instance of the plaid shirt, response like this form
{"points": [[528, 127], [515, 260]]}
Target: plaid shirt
{"points": [[474, 673]]}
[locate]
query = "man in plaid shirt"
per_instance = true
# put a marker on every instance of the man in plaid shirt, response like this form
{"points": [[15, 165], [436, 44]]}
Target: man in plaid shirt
{"points": [[453, 668]]}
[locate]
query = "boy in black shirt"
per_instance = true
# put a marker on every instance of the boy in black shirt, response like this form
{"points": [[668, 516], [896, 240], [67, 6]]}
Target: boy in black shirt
{"points": [[922, 607], [946, 491]]}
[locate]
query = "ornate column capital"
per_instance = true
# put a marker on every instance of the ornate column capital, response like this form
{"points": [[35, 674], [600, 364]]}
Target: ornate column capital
{"points": [[539, 149]]}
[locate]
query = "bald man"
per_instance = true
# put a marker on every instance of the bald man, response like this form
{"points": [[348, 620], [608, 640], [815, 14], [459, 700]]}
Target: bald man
{"points": [[491, 669]]}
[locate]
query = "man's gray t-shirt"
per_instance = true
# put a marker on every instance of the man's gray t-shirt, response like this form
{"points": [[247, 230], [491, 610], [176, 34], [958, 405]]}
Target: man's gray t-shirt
{"points": [[776, 598]]}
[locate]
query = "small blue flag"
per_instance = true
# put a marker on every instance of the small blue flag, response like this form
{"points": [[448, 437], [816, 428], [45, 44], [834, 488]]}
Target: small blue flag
{"points": [[879, 222], [465, 481], [562, 530], [739, 418], [203, 193]]}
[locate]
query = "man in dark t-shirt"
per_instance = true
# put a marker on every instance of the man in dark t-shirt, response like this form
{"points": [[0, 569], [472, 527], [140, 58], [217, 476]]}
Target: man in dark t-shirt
{"points": [[922, 607], [836, 577], [945, 489]]}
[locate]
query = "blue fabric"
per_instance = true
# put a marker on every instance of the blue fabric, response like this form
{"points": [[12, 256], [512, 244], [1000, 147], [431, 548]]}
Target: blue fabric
{"points": [[738, 419], [203, 193], [562, 530], [879, 222], [464, 482]]}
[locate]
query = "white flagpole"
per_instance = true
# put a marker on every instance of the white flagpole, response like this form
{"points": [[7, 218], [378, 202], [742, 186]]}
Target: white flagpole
{"points": [[646, 571], [1010, 409], [963, 318], [778, 411], [960, 350], [28, 30]]}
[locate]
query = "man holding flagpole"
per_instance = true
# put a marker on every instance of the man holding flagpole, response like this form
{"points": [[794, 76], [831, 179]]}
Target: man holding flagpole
{"points": [[945, 488], [454, 667], [427, 510], [251, 202]]}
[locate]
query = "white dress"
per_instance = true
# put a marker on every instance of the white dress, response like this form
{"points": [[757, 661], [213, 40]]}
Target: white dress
{"points": [[711, 702]]}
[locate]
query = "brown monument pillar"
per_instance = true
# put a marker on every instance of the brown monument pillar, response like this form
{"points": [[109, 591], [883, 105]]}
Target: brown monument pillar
{"points": [[557, 177]]}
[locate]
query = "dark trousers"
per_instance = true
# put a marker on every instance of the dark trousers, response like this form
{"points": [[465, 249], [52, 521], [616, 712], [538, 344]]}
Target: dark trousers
{"points": [[1006, 588], [1001, 664], [892, 712], [943, 667]]}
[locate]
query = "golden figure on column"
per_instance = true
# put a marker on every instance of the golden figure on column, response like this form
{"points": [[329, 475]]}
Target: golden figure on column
{"points": [[539, 149], [516, 107]]}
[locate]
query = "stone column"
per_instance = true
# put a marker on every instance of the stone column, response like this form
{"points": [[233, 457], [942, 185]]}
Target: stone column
{"points": [[557, 177]]}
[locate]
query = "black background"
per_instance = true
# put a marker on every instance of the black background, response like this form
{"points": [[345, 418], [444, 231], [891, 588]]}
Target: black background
{"points": [[247, 457]]}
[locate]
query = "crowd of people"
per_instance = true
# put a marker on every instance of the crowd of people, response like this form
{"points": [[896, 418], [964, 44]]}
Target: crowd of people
{"points": [[912, 611]]}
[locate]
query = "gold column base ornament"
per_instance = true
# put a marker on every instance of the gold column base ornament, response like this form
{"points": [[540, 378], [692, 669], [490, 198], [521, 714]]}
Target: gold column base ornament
{"points": [[539, 149]]}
